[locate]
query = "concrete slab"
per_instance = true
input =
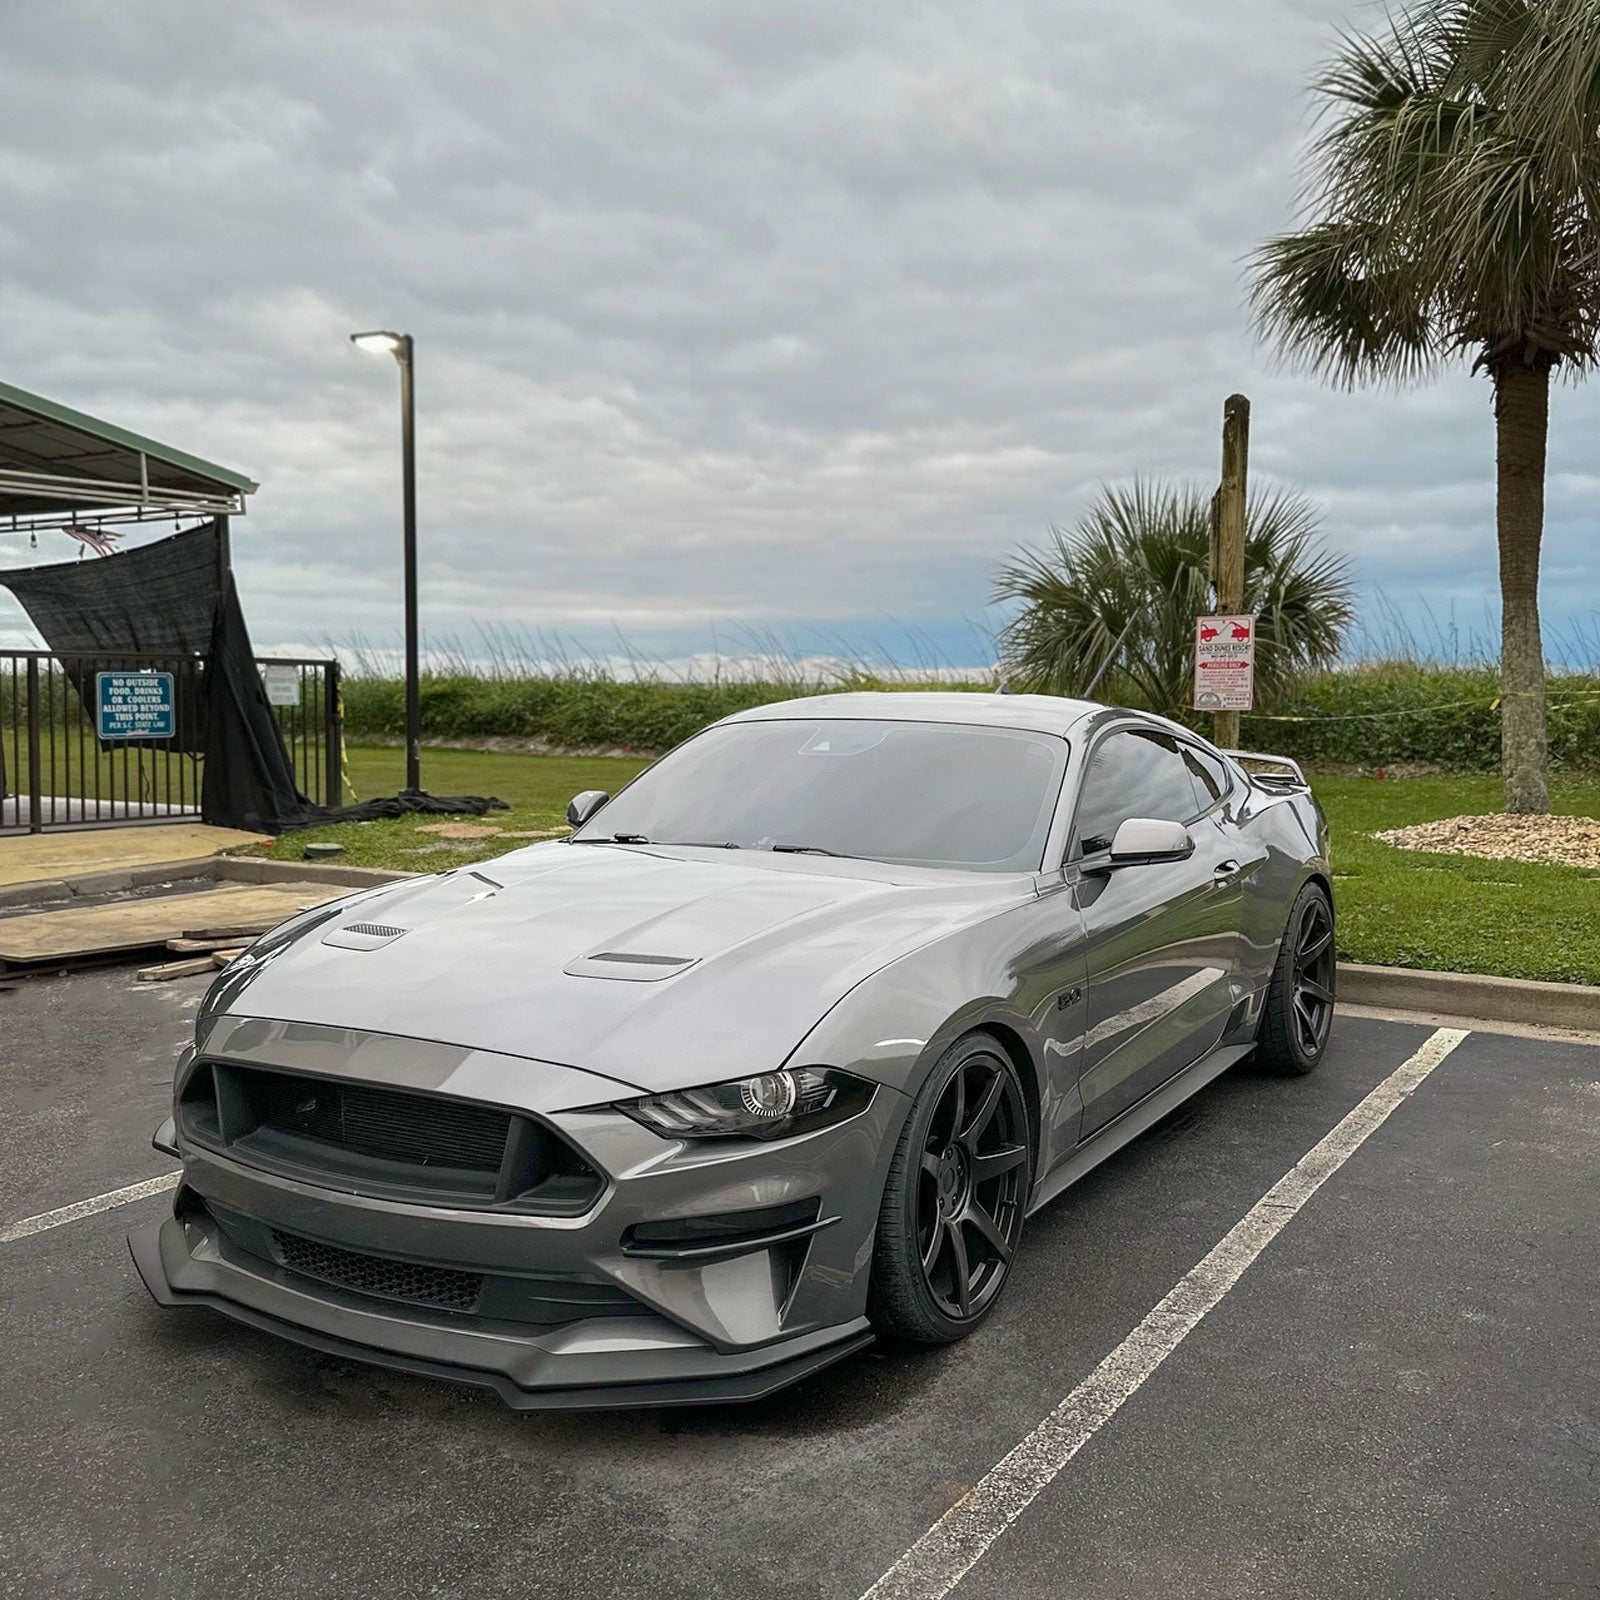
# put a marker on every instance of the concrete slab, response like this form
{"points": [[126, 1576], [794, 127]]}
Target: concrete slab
{"points": [[75, 931], [43, 857]]}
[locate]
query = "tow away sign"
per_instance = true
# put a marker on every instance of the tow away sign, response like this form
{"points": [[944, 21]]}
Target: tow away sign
{"points": [[1224, 663]]}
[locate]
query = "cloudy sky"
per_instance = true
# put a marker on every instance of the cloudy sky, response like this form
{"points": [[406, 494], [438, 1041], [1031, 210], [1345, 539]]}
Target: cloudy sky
{"points": [[734, 320]]}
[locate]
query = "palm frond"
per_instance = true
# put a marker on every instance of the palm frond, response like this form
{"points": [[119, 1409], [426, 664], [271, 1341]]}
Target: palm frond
{"points": [[1452, 200], [1138, 556]]}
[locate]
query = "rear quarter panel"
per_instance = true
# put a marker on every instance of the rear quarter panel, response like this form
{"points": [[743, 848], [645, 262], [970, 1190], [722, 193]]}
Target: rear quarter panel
{"points": [[1294, 833]]}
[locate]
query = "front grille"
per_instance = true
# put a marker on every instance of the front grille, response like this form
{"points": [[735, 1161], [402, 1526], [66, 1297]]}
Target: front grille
{"points": [[443, 1287], [394, 1143], [394, 1127]]}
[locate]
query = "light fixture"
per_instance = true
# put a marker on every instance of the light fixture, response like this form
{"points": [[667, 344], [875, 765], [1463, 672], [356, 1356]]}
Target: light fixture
{"points": [[380, 340]]}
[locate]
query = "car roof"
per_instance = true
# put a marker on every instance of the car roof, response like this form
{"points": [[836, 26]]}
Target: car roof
{"points": [[1039, 713]]}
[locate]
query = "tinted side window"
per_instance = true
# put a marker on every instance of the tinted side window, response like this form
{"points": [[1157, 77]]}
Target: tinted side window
{"points": [[1210, 777], [1131, 774]]}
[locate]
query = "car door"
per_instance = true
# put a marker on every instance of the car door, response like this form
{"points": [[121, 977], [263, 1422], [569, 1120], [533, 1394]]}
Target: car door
{"points": [[1160, 942]]}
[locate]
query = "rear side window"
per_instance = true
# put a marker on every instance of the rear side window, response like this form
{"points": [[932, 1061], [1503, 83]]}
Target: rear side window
{"points": [[1209, 775], [1132, 773]]}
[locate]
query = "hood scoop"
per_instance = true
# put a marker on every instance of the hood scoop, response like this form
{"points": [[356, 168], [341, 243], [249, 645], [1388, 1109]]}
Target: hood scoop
{"points": [[363, 936], [629, 966]]}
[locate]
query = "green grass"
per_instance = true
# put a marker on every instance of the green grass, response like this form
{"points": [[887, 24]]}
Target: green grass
{"points": [[537, 788], [1396, 907], [1405, 908]]}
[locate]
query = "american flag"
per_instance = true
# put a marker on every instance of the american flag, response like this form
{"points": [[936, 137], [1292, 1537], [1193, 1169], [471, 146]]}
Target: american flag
{"points": [[103, 541]]}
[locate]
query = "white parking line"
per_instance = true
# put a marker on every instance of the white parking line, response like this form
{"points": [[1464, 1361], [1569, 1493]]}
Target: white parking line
{"points": [[87, 1208], [943, 1556]]}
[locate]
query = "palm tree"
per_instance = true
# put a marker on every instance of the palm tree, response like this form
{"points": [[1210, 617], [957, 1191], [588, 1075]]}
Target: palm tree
{"points": [[1452, 213], [1136, 562]]}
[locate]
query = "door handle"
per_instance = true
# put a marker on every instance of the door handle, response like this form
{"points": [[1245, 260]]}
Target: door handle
{"points": [[1224, 871]]}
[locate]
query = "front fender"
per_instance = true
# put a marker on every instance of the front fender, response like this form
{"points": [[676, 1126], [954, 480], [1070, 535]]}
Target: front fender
{"points": [[1010, 973]]}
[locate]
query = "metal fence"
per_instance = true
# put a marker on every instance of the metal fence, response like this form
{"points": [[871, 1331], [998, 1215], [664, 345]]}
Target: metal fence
{"points": [[57, 771]]}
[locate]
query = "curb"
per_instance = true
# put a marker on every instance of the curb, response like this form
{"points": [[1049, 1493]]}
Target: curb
{"points": [[256, 869], [223, 869], [1574, 1006], [39, 891]]}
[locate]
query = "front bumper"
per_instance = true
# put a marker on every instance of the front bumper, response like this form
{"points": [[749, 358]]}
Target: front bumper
{"points": [[594, 1365], [572, 1313]]}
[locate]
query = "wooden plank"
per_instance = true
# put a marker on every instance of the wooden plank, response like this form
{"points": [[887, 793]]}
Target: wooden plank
{"points": [[253, 930], [1232, 500], [203, 947], [71, 931], [221, 958], [176, 969]]}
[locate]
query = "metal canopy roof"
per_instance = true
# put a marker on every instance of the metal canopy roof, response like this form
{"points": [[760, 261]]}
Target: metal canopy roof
{"points": [[60, 466]]}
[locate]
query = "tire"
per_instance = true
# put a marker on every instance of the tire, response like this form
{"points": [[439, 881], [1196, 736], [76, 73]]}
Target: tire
{"points": [[1298, 1015], [953, 1205]]}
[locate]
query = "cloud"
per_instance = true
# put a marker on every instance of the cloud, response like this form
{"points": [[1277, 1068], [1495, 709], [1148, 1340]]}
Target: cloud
{"points": [[727, 316]]}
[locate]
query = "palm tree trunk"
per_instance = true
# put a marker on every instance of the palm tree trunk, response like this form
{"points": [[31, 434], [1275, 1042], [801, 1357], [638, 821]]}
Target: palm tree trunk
{"points": [[1522, 423]]}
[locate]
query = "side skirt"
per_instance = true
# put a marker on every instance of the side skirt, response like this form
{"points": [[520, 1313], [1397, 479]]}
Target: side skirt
{"points": [[1137, 1119]]}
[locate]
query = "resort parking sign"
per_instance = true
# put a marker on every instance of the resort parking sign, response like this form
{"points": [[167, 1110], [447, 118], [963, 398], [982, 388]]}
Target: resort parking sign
{"points": [[1224, 663], [134, 705]]}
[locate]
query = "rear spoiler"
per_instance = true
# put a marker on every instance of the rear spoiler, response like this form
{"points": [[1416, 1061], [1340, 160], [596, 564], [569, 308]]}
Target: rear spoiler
{"points": [[1288, 776]]}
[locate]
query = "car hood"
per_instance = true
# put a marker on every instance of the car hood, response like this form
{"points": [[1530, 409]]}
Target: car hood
{"points": [[655, 967]]}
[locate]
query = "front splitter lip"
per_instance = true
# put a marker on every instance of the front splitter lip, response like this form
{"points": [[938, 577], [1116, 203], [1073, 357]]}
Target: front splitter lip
{"points": [[671, 1377]]}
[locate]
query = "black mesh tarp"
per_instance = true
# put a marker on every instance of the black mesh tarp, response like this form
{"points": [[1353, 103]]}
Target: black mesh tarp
{"points": [[173, 598], [249, 780], [169, 599], [157, 600]]}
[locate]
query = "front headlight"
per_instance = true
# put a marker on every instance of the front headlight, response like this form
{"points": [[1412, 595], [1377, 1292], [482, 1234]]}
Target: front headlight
{"points": [[771, 1105]]}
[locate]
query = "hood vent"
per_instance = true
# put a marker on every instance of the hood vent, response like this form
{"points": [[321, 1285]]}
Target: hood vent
{"points": [[362, 936], [630, 966]]}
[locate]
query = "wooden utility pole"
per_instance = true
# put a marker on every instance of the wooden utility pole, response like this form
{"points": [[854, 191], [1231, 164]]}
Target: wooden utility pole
{"points": [[1228, 564]]}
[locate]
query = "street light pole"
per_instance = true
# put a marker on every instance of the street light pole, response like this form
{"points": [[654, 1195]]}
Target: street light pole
{"points": [[408, 469], [400, 346]]}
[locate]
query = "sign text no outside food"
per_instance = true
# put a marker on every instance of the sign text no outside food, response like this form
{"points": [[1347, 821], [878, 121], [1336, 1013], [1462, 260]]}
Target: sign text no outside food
{"points": [[134, 705]]}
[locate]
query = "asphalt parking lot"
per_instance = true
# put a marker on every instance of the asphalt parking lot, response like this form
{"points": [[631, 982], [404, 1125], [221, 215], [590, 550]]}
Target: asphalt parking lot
{"points": [[1399, 1394]]}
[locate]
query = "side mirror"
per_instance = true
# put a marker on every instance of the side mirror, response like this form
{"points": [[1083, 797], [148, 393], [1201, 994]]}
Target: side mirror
{"points": [[1143, 840], [583, 806]]}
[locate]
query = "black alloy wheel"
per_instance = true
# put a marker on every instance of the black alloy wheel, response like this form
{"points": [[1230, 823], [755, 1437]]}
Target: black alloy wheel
{"points": [[1313, 976], [969, 1197], [1297, 1016], [956, 1198]]}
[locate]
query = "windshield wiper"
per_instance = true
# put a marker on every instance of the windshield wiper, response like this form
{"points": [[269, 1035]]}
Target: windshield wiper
{"points": [[810, 850], [613, 838]]}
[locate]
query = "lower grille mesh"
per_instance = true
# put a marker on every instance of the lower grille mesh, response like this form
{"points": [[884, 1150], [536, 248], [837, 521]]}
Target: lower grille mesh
{"points": [[379, 1275]]}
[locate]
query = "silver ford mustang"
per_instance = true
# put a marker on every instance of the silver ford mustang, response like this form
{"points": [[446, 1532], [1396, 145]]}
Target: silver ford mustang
{"points": [[776, 1053]]}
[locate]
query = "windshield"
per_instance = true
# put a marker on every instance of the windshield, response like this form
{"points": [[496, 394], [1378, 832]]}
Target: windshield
{"points": [[923, 793]]}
